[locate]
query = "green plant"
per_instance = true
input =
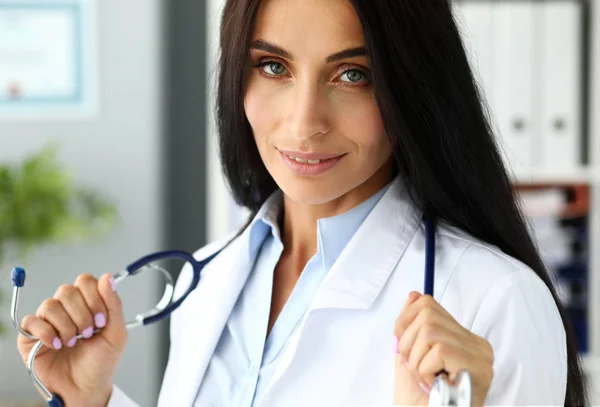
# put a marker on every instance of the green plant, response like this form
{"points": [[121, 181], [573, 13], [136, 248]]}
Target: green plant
{"points": [[40, 204]]}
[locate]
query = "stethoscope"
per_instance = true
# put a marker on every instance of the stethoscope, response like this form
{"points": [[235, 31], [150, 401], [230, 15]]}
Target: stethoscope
{"points": [[442, 392]]}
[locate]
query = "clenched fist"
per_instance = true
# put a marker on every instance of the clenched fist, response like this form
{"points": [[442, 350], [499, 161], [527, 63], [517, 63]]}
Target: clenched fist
{"points": [[81, 370], [428, 340]]}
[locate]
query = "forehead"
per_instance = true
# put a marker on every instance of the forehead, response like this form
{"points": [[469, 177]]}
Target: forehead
{"points": [[328, 23]]}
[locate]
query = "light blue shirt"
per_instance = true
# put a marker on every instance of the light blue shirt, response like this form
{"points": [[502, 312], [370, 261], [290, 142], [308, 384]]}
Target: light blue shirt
{"points": [[243, 361]]}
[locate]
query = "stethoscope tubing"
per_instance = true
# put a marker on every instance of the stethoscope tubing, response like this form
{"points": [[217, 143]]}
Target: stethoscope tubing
{"points": [[442, 393]]}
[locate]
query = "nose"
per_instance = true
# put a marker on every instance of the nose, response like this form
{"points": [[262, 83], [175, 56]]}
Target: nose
{"points": [[308, 113]]}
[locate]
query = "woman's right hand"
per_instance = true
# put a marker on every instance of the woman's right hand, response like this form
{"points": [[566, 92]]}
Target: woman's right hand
{"points": [[80, 371]]}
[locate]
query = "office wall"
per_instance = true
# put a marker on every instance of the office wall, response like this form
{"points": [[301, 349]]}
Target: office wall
{"points": [[224, 215], [118, 152]]}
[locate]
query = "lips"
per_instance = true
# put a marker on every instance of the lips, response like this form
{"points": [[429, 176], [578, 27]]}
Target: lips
{"points": [[300, 160], [310, 164], [310, 158]]}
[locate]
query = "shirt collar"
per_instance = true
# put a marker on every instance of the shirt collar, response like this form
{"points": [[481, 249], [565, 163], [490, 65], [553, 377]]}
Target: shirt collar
{"points": [[333, 233], [265, 221]]}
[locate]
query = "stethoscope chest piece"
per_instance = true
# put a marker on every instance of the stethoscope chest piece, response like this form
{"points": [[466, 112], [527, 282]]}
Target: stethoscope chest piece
{"points": [[456, 395]]}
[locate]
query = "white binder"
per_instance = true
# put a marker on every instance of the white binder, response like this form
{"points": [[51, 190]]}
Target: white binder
{"points": [[474, 20], [499, 40], [513, 87], [559, 25], [526, 55]]}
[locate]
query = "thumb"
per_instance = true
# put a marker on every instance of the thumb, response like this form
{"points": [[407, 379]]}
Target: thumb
{"points": [[114, 331]]}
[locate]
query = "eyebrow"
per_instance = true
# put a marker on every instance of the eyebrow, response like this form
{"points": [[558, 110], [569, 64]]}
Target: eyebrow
{"points": [[262, 45]]}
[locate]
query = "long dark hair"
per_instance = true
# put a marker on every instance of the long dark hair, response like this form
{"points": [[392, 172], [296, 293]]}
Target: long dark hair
{"points": [[444, 147]]}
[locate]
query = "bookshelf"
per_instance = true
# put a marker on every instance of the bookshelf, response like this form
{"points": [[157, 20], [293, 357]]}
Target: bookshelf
{"points": [[584, 175], [592, 360]]}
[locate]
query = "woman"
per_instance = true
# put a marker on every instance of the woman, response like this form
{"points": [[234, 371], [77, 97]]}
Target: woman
{"points": [[342, 124]]}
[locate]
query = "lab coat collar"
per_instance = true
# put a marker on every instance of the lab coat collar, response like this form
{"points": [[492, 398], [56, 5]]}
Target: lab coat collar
{"points": [[334, 232], [209, 307], [354, 281], [365, 264], [363, 268]]}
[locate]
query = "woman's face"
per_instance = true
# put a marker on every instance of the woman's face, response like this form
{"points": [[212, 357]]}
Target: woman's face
{"points": [[310, 101]]}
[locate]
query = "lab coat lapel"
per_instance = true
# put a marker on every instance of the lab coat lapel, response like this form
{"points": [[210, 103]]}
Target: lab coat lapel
{"points": [[364, 266], [207, 310], [360, 272]]}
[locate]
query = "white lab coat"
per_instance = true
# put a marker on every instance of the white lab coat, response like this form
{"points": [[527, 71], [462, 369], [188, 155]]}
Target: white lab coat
{"points": [[341, 355]]}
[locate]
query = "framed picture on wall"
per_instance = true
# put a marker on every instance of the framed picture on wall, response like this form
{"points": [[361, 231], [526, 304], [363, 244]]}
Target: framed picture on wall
{"points": [[48, 59]]}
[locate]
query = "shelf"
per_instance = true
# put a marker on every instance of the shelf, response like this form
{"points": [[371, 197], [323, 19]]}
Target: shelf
{"points": [[575, 176], [549, 200]]}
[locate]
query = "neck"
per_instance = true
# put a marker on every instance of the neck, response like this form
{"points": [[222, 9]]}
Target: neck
{"points": [[299, 231]]}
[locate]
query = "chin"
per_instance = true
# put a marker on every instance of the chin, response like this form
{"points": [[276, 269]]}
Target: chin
{"points": [[312, 191], [312, 197]]}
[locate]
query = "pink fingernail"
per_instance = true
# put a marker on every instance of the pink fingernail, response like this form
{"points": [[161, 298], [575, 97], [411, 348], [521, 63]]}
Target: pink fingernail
{"points": [[57, 343], [424, 388], [113, 285], [88, 332], [100, 320], [72, 342], [395, 344]]}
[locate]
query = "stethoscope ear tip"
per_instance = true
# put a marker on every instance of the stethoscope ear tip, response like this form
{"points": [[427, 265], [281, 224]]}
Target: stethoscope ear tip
{"points": [[18, 277]]}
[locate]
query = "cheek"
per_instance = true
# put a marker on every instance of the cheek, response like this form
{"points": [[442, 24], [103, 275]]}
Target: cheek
{"points": [[263, 109], [361, 122]]}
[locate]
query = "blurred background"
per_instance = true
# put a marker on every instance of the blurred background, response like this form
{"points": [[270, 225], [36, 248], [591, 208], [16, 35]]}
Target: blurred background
{"points": [[107, 150]]}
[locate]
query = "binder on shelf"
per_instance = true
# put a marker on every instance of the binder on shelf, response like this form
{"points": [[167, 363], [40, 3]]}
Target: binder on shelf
{"points": [[559, 25], [474, 20], [513, 89], [499, 40]]}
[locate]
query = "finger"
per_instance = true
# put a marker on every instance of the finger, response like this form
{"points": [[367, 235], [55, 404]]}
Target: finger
{"points": [[88, 286], [72, 301], [430, 302], [428, 337], [402, 364], [426, 324], [412, 309], [407, 382], [405, 344], [440, 357], [114, 331], [40, 329], [52, 311], [415, 340], [413, 296], [407, 313]]}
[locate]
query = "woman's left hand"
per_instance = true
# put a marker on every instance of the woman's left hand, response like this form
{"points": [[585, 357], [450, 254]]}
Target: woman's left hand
{"points": [[429, 340]]}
